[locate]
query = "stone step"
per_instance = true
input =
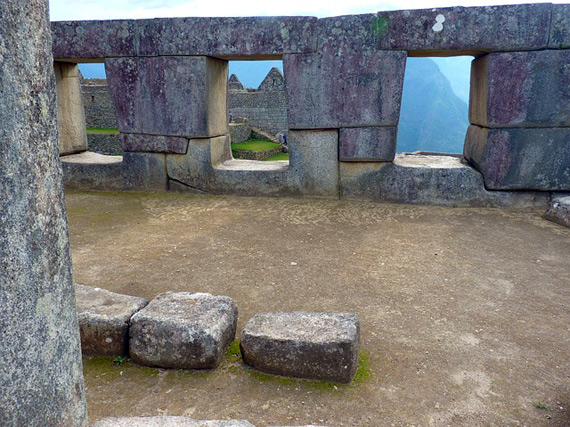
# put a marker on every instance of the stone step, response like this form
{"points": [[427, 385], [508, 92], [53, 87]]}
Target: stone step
{"points": [[323, 346], [183, 330], [258, 132], [104, 320]]}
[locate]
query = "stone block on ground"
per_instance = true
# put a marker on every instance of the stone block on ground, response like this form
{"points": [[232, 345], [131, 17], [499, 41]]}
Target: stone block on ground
{"points": [[313, 159], [168, 421], [559, 211], [105, 143], [144, 171], [520, 159], [464, 30], [323, 346], [521, 89], [92, 171], [154, 143], [560, 27], [367, 144], [428, 179], [183, 330], [173, 96], [104, 320], [347, 82]]}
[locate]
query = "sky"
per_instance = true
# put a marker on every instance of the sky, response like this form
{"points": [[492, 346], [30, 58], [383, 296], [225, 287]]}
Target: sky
{"points": [[138, 9]]}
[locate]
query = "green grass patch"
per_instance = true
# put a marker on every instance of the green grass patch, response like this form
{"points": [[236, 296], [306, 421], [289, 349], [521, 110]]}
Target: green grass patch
{"points": [[104, 131], [541, 406], [233, 354], [255, 145], [279, 156]]}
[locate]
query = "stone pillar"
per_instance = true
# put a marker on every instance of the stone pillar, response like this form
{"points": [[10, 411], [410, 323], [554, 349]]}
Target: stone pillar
{"points": [[519, 137], [41, 380], [70, 110]]}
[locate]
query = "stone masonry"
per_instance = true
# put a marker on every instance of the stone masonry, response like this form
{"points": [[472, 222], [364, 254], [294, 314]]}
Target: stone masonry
{"points": [[343, 90]]}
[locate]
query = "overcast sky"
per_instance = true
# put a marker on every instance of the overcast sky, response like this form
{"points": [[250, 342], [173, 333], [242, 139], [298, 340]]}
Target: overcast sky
{"points": [[133, 9]]}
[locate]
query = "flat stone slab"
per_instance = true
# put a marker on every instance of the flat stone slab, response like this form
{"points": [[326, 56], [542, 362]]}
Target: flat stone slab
{"points": [[323, 346], [183, 330], [92, 171], [559, 211], [166, 421], [104, 320], [465, 30]]}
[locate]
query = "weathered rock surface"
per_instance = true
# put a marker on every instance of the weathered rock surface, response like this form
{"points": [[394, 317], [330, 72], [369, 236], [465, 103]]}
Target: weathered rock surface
{"points": [[560, 27], [70, 112], [154, 143], [322, 346], [254, 37], [92, 171], [144, 171], [166, 421], [313, 159], [171, 96], [104, 320], [183, 330], [347, 82], [559, 211], [367, 144], [520, 159], [428, 179], [462, 30], [41, 377], [521, 89]]}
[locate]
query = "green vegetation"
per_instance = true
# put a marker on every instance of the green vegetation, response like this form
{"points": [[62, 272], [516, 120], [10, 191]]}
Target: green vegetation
{"points": [[119, 360], [106, 131], [541, 406], [280, 156], [255, 145], [233, 354]]}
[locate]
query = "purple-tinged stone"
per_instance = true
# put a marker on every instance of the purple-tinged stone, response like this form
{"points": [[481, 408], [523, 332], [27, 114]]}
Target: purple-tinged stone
{"points": [[154, 143], [464, 30], [520, 159], [521, 89], [560, 27], [367, 144]]}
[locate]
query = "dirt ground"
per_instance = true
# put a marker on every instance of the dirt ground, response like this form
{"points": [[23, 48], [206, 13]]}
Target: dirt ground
{"points": [[464, 312]]}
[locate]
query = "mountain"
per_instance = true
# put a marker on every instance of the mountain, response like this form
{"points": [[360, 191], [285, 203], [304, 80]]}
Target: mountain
{"points": [[433, 118]]}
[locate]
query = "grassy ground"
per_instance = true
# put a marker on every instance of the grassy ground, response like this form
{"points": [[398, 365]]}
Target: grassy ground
{"points": [[280, 156], [255, 145], [112, 131]]}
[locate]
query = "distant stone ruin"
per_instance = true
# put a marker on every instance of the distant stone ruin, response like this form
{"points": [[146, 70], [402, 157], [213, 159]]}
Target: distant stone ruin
{"points": [[343, 91]]}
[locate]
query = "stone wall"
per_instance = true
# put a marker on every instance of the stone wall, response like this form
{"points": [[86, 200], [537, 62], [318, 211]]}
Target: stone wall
{"points": [[265, 110], [168, 80], [99, 108]]}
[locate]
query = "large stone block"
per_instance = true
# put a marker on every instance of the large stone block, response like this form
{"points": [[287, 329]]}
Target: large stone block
{"points": [[240, 37], [443, 180], [85, 41], [347, 82], [104, 320], [183, 330], [521, 89], [144, 171], [313, 159], [170, 96], [367, 144], [464, 31], [154, 143], [559, 211], [41, 376], [70, 111], [521, 159], [560, 27], [168, 421], [322, 346], [92, 171]]}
